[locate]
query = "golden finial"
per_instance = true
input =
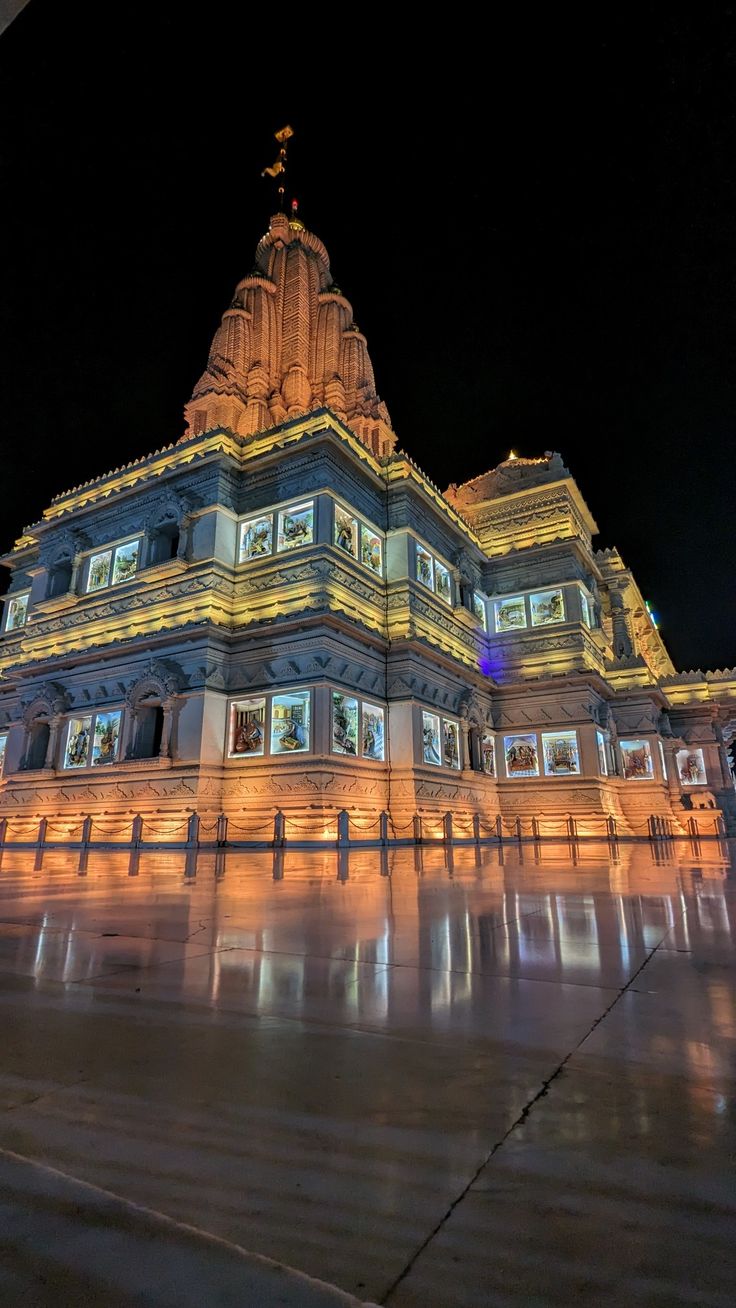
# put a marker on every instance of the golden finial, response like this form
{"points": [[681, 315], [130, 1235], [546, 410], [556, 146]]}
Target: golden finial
{"points": [[278, 169]]}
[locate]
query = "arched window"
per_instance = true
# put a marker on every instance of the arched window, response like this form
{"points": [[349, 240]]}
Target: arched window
{"points": [[39, 732], [149, 725]]}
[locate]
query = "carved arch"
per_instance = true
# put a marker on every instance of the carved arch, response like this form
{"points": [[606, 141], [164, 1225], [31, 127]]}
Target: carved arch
{"points": [[50, 700], [160, 680]]}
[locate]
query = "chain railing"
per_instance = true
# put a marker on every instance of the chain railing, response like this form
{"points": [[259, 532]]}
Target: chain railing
{"points": [[343, 828]]}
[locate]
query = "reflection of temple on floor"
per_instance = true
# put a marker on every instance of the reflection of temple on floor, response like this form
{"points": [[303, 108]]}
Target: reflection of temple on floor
{"points": [[280, 614]]}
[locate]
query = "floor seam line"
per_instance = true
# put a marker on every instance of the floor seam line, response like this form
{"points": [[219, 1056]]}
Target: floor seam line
{"points": [[520, 1120]]}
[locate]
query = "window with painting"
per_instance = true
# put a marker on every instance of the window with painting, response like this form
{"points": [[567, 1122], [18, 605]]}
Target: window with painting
{"points": [[113, 566], [355, 537], [433, 574], [357, 727], [277, 723], [440, 741], [92, 739]]}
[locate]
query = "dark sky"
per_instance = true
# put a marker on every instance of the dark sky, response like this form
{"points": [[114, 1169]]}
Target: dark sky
{"points": [[536, 226]]}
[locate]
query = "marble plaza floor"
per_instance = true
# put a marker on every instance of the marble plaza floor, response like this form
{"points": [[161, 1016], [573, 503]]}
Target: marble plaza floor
{"points": [[495, 1078]]}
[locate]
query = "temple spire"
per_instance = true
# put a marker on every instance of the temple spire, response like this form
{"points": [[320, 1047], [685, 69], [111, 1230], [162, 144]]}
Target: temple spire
{"points": [[288, 344]]}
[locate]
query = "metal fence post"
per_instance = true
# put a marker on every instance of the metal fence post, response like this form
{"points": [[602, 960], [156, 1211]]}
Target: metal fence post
{"points": [[476, 828], [279, 830], [499, 827], [343, 829], [221, 834], [383, 827], [193, 831], [42, 832], [137, 832], [417, 829], [86, 831], [518, 829], [447, 828]]}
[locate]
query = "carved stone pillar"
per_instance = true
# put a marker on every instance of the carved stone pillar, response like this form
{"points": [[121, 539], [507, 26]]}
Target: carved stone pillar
{"points": [[54, 728], [623, 644], [165, 746], [723, 755], [466, 761], [131, 725]]}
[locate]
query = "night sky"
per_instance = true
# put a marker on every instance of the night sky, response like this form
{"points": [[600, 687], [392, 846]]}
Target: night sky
{"points": [[536, 229]]}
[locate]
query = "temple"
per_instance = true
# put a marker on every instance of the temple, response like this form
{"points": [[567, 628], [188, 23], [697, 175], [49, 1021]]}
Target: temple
{"points": [[280, 613]]}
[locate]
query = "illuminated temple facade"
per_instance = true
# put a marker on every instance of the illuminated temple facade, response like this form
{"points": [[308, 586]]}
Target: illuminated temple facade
{"points": [[281, 612]]}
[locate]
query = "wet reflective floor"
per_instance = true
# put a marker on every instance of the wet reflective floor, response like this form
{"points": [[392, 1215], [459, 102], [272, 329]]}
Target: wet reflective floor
{"points": [[493, 1077]]}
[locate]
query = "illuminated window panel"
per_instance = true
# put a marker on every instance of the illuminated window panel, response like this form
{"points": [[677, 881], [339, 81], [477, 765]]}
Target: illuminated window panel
{"points": [[256, 538], [561, 754], [247, 728], [546, 607], [78, 742], [510, 614], [521, 756], [3, 747], [691, 767], [344, 724], [346, 532], [602, 754], [442, 582], [425, 567], [636, 760], [296, 527], [450, 744], [431, 751], [662, 759], [99, 570], [126, 562], [17, 613], [586, 608], [372, 731], [488, 754], [371, 549], [479, 609], [290, 722], [105, 738]]}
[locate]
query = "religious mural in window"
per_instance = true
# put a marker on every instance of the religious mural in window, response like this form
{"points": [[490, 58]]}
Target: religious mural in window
{"points": [[488, 754], [431, 739], [433, 574], [372, 731], [126, 562], [691, 767], [560, 753], [450, 744], [92, 739], [371, 549], [425, 567], [346, 531], [17, 612], [586, 607], [110, 567], [602, 753], [636, 760], [290, 722], [546, 607], [479, 609], [105, 738], [256, 538], [510, 613], [247, 727], [3, 747], [344, 724], [296, 527], [520, 753], [440, 741], [357, 727], [442, 582]]}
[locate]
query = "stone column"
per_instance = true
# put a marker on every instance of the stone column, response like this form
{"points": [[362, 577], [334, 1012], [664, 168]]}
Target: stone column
{"points": [[165, 746], [131, 723], [466, 761], [54, 728]]}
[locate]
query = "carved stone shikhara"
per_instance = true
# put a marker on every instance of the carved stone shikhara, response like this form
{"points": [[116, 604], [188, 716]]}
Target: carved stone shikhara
{"points": [[331, 669]]}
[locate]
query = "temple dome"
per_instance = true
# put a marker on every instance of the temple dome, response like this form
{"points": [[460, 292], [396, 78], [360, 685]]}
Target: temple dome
{"points": [[289, 344]]}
